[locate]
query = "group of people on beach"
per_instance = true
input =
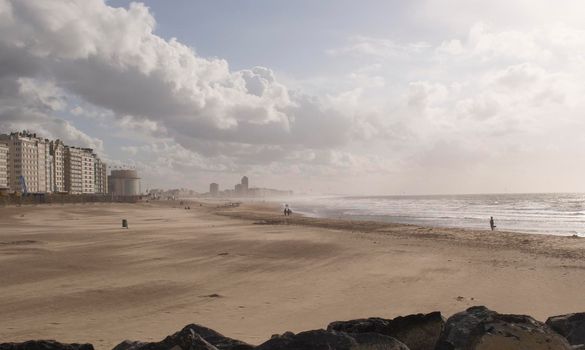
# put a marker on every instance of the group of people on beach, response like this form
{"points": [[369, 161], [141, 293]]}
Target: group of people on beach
{"points": [[287, 211]]}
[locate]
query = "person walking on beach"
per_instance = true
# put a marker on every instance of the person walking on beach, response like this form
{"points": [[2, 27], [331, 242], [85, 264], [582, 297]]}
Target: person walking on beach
{"points": [[492, 224], [285, 209]]}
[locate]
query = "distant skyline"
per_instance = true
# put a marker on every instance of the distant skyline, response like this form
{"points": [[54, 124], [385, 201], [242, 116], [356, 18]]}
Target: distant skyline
{"points": [[370, 97]]}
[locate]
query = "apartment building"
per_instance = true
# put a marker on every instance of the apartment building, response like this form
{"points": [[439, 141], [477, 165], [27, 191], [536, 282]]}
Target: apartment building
{"points": [[3, 166], [73, 170], [100, 176], [88, 171], [58, 166], [29, 158], [49, 166]]}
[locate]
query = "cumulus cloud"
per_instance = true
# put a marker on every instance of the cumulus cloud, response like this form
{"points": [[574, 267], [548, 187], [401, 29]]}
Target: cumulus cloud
{"points": [[469, 94], [111, 58]]}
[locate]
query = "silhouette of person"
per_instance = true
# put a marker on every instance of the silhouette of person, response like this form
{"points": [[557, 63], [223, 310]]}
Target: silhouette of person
{"points": [[492, 224], [285, 209]]}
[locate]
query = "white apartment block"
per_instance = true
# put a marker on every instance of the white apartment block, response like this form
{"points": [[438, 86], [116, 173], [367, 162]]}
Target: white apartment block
{"points": [[100, 176], [73, 170], [58, 163], [88, 171], [29, 158], [49, 166], [3, 166]]}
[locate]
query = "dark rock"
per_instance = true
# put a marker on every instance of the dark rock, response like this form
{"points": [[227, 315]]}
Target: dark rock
{"points": [[129, 345], [191, 337], [44, 345], [571, 326], [363, 325], [218, 340], [479, 328], [331, 340], [418, 332], [377, 341]]}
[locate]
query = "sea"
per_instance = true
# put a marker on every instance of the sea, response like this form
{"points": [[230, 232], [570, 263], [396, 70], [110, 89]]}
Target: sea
{"points": [[538, 213]]}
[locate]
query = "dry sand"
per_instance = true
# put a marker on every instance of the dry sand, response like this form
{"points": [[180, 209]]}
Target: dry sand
{"points": [[69, 272]]}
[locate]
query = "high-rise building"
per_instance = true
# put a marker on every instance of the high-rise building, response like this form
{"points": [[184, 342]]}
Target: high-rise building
{"points": [[3, 166], [100, 176], [28, 159], [58, 162], [37, 165], [245, 184], [73, 170], [87, 171], [214, 189]]}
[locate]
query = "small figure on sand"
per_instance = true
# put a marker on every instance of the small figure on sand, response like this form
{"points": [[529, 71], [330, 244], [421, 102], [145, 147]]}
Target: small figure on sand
{"points": [[287, 210], [492, 224]]}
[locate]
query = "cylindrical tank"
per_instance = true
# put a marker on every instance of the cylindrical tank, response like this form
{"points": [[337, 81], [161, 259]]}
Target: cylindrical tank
{"points": [[124, 183]]}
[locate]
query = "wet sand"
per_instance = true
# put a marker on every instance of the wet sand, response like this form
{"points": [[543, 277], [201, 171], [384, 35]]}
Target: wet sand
{"points": [[71, 273]]}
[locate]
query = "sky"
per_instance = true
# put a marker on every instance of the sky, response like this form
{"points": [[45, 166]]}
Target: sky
{"points": [[345, 97]]}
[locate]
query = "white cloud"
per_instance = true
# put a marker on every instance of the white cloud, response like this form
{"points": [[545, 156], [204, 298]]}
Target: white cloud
{"points": [[111, 58], [480, 89]]}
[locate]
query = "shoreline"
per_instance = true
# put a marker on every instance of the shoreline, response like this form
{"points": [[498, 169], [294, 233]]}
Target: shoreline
{"points": [[269, 214]]}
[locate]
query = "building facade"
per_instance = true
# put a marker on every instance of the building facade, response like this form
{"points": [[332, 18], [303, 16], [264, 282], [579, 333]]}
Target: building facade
{"points": [[87, 171], [58, 162], [28, 162], [36, 165], [245, 184], [3, 166], [73, 170], [214, 189], [100, 176]]}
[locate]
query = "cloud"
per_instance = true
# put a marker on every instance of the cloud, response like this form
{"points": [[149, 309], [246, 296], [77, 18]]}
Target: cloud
{"points": [[111, 58], [453, 99]]}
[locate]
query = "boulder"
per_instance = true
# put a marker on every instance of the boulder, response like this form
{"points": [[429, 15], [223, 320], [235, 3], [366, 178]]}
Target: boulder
{"points": [[44, 345], [362, 325], [479, 328], [331, 340], [191, 337], [418, 332], [571, 326], [129, 345]]}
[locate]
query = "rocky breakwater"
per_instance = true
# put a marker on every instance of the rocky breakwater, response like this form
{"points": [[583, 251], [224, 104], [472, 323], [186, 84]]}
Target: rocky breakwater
{"points": [[476, 328]]}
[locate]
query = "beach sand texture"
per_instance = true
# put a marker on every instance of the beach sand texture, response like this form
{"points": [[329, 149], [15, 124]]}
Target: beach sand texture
{"points": [[71, 273]]}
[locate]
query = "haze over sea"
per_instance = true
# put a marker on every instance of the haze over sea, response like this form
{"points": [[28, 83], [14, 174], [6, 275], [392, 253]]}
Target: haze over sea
{"points": [[543, 213]]}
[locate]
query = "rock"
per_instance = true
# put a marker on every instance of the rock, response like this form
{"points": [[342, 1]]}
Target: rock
{"points": [[331, 340], [479, 328], [191, 337], [377, 341], [218, 340], [571, 326], [129, 345], [363, 325], [418, 332], [44, 345]]}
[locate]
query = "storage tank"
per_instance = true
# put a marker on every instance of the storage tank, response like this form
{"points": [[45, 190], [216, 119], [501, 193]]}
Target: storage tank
{"points": [[124, 183]]}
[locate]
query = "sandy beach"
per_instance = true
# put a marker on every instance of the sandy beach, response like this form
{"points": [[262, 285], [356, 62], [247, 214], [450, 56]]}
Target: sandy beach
{"points": [[71, 273]]}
